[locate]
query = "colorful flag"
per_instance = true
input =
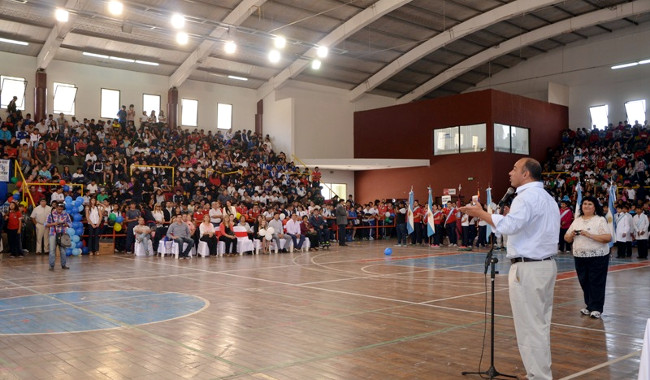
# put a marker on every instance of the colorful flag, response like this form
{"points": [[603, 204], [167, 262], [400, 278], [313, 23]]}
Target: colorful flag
{"points": [[488, 202], [579, 200], [410, 225], [610, 213], [431, 227]]}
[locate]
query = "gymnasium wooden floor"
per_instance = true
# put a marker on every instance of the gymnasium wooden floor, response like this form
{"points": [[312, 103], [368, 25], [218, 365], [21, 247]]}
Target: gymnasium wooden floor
{"points": [[349, 313]]}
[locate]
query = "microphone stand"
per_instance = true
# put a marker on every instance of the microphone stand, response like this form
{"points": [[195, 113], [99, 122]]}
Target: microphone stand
{"points": [[492, 373]]}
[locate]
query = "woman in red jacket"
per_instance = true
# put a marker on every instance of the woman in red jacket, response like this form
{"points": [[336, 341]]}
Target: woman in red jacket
{"points": [[14, 226]]}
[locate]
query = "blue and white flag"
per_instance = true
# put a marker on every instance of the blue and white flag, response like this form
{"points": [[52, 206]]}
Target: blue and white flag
{"points": [[488, 202], [431, 227], [579, 199], [410, 225], [611, 222]]}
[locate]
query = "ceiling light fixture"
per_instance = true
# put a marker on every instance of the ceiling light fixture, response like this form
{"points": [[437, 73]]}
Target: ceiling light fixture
{"points": [[115, 7], [61, 15], [624, 65], [146, 63], [230, 47], [322, 51], [95, 55], [237, 78], [15, 42], [274, 56], [178, 21], [182, 38], [315, 64], [122, 59], [280, 42]]}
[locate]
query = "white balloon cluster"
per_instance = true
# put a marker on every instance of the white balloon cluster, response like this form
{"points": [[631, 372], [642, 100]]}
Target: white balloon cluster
{"points": [[266, 234]]}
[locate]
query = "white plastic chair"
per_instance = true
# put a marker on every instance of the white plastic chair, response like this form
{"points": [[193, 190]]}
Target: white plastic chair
{"points": [[204, 251], [244, 244], [139, 248]]}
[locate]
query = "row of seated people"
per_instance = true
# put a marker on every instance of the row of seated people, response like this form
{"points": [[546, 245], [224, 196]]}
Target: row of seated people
{"points": [[595, 159]]}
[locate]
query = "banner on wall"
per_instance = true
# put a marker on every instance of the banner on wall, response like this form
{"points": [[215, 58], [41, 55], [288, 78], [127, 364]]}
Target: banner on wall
{"points": [[4, 170]]}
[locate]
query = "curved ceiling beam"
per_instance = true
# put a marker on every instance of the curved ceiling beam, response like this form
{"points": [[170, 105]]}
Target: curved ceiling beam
{"points": [[566, 26], [343, 31], [57, 35], [457, 32], [235, 18]]}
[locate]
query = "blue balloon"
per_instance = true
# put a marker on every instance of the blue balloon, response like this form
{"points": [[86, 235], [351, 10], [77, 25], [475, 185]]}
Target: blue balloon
{"points": [[79, 244], [68, 199], [79, 231], [68, 208], [77, 217], [68, 251], [85, 250], [76, 251], [76, 225], [16, 196], [75, 238], [81, 208], [119, 219], [70, 231], [388, 251], [66, 188]]}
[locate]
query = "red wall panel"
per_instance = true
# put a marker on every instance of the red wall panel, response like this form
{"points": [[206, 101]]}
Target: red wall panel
{"points": [[406, 131]]}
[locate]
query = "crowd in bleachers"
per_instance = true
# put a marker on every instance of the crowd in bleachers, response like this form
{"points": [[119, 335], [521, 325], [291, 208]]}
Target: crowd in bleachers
{"points": [[596, 158]]}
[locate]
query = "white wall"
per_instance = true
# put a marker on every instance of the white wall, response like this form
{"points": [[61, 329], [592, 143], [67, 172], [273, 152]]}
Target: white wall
{"points": [[278, 122], [339, 176], [20, 66], [324, 119], [584, 67], [132, 85]]}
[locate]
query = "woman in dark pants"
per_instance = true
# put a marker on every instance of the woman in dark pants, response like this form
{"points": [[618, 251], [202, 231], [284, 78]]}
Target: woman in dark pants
{"points": [[590, 236], [14, 226]]}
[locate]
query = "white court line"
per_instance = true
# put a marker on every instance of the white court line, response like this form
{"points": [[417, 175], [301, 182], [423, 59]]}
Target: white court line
{"points": [[602, 365]]}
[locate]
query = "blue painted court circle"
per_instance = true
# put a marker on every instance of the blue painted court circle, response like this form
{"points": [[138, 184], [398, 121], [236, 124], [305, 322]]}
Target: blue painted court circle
{"points": [[88, 311]]}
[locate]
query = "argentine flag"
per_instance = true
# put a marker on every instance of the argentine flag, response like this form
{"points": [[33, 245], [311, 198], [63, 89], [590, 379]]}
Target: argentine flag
{"points": [[488, 202], [410, 225], [579, 199], [610, 213], [431, 227]]}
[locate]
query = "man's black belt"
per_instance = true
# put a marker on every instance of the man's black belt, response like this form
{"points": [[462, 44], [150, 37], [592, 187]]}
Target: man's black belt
{"points": [[527, 260]]}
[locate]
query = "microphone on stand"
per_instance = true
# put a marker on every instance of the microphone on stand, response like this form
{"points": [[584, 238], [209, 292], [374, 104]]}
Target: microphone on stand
{"points": [[508, 194]]}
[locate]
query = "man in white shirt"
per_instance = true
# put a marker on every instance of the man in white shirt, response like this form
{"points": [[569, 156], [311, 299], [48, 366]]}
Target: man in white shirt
{"points": [[533, 229], [278, 233], [293, 229], [39, 217], [641, 233], [624, 231]]}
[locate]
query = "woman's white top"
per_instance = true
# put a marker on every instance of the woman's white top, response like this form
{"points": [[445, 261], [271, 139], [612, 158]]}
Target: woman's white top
{"points": [[584, 246], [93, 215], [206, 229]]}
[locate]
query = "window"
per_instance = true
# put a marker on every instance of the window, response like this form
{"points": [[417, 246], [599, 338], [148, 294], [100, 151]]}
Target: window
{"points": [[224, 116], [520, 140], [189, 112], [462, 139], [472, 138], [511, 139], [151, 103], [110, 103], [501, 138], [331, 189], [445, 141], [64, 98], [635, 110], [10, 87], [599, 116]]}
